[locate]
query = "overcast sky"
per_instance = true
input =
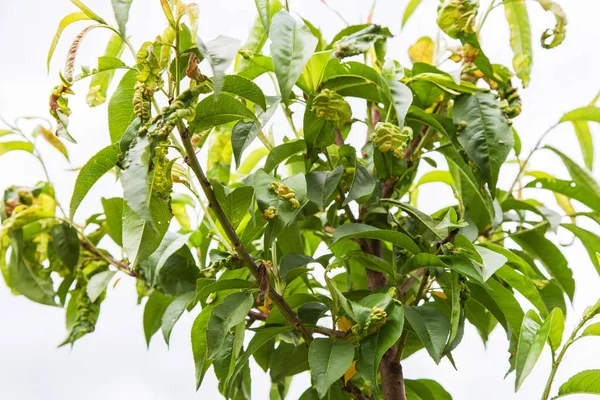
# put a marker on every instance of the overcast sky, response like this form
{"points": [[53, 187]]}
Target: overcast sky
{"points": [[113, 362]]}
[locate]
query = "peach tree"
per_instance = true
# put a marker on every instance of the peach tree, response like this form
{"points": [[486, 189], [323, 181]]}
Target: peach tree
{"points": [[307, 250]]}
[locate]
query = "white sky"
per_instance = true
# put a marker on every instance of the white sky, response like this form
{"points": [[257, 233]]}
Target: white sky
{"points": [[113, 362]]}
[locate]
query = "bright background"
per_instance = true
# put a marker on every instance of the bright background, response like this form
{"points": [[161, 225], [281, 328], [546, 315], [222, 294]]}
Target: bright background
{"points": [[113, 362]]}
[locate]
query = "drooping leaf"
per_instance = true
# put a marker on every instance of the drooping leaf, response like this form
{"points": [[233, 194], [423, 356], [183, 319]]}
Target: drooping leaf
{"points": [[225, 316], [113, 210], [584, 136], [533, 336], [245, 88], [328, 361], [362, 187], [65, 242], [88, 11], [431, 326], [569, 189], [557, 327], [292, 45], [121, 10], [220, 53], [591, 330], [153, 313], [213, 111], [579, 174], [409, 10], [94, 169], [585, 382], [279, 154], [173, 312], [536, 245], [590, 241], [134, 178], [97, 284], [520, 38], [487, 138], [120, 106], [139, 238]]}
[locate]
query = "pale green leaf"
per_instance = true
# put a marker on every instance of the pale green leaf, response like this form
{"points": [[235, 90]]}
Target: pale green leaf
{"points": [[121, 10], [6, 147], [292, 45], [66, 21], [97, 284], [220, 53], [107, 64], [350, 231], [585, 382], [532, 338], [520, 38], [590, 241]]}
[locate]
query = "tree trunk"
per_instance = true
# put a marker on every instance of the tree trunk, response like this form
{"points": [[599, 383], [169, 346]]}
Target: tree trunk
{"points": [[392, 379]]}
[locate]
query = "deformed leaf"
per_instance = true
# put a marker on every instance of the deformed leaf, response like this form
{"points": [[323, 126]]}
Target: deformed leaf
{"points": [[66, 21]]}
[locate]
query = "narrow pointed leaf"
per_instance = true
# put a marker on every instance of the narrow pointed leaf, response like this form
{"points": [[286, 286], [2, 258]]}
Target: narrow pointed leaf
{"points": [[328, 361]]}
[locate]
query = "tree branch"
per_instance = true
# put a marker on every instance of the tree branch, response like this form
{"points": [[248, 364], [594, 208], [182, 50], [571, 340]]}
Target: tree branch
{"points": [[213, 204]]}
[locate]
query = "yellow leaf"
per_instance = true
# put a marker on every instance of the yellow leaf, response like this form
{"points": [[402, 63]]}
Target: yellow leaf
{"points": [[422, 51], [344, 324], [441, 295], [52, 139], [350, 371]]}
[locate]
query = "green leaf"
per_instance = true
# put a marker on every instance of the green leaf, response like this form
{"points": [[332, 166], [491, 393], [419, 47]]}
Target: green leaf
{"points": [[88, 11], [282, 152], [294, 264], [350, 231], [266, 9], [425, 389], [322, 184], [94, 169], [120, 106], [225, 316], [537, 246], [569, 189], [121, 10], [66, 244], [401, 97], [374, 346], [220, 53], [260, 338], [585, 382], [318, 132], [235, 203], [153, 313], [134, 178], [113, 210], [533, 336], [244, 133], [213, 111], [199, 347], [446, 82], [362, 187], [431, 326], [579, 175], [592, 330], [328, 361], [66, 21], [557, 328], [312, 75], [97, 284], [173, 312], [25, 277], [487, 137], [292, 45], [501, 303], [5, 147], [139, 238], [523, 285], [373, 262], [409, 10], [590, 241], [589, 113], [584, 136], [100, 81], [245, 88], [476, 199], [520, 38], [354, 79], [170, 244]]}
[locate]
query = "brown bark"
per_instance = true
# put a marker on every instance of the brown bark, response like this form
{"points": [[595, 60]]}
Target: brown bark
{"points": [[392, 379]]}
